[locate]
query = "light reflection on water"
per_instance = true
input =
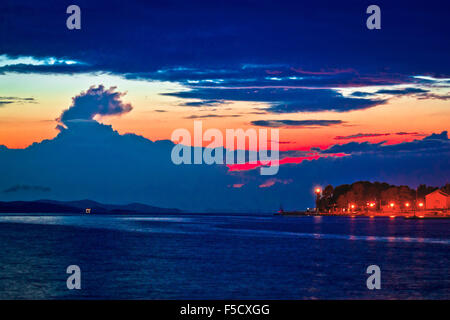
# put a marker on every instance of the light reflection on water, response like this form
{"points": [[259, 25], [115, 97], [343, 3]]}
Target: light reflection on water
{"points": [[221, 257], [131, 224]]}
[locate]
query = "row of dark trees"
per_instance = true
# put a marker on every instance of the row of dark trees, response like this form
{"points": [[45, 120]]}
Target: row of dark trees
{"points": [[362, 192]]}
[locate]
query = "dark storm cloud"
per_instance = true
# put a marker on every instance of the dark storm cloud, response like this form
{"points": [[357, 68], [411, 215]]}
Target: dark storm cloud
{"points": [[232, 46], [282, 100], [144, 37], [48, 69]]}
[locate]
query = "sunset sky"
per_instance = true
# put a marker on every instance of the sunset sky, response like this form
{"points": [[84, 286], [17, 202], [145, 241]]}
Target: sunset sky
{"points": [[36, 101], [312, 70]]}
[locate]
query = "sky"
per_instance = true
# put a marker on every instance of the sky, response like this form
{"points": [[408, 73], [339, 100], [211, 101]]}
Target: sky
{"points": [[350, 103]]}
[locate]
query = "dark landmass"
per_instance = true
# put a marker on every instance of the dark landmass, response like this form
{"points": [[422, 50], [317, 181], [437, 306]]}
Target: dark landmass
{"points": [[52, 206]]}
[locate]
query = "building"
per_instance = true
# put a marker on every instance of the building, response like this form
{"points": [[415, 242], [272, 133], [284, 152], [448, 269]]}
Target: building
{"points": [[437, 199]]}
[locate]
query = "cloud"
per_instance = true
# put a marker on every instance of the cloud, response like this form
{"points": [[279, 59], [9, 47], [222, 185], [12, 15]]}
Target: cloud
{"points": [[435, 96], [203, 103], [213, 116], [324, 72], [283, 100], [271, 182], [19, 188], [6, 60], [10, 100], [391, 91], [295, 123], [95, 101], [219, 39], [373, 135], [89, 160], [404, 91], [408, 133], [438, 136], [361, 94], [361, 135], [434, 143]]}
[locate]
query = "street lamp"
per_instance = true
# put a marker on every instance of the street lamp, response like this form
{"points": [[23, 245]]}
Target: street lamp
{"points": [[317, 191]]}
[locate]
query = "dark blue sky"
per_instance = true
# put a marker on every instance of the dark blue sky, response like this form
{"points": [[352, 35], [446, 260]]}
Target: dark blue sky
{"points": [[145, 36]]}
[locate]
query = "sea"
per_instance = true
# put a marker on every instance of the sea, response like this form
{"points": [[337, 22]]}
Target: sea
{"points": [[220, 256]]}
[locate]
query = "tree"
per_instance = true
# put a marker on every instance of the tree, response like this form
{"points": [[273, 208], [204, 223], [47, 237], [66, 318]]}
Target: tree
{"points": [[446, 188], [423, 190]]}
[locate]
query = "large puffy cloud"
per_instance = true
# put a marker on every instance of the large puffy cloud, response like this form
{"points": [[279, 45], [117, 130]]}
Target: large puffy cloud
{"points": [[90, 160], [95, 101]]}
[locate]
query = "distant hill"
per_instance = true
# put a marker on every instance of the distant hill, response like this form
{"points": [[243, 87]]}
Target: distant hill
{"points": [[52, 206]]}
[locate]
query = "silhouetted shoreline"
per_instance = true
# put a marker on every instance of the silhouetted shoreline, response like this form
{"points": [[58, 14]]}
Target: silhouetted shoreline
{"points": [[80, 207]]}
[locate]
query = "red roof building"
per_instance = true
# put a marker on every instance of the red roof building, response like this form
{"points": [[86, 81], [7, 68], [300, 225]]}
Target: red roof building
{"points": [[437, 199]]}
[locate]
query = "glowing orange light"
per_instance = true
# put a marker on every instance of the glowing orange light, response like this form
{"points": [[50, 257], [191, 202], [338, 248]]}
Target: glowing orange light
{"points": [[391, 204], [407, 204], [372, 204], [421, 204], [392, 217], [421, 216], [318, 190], [371, 216], [352, 206]]}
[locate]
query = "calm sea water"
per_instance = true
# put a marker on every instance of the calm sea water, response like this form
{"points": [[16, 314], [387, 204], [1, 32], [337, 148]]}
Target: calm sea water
{"points": [[222, 257]]}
